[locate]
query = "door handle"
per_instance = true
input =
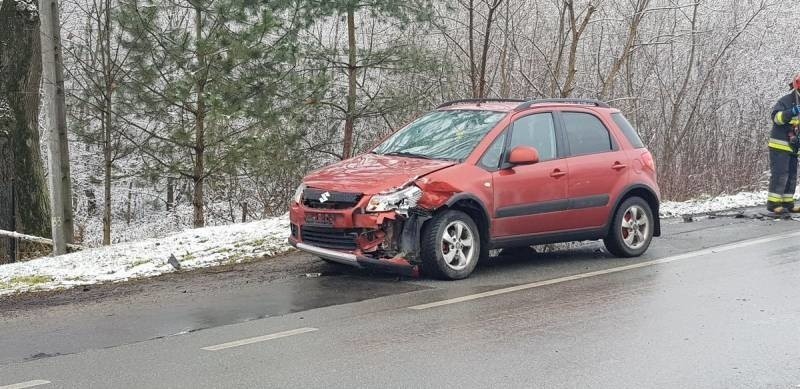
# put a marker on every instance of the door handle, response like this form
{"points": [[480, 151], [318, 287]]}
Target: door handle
{"points": [[619, 166], [558, 174]]}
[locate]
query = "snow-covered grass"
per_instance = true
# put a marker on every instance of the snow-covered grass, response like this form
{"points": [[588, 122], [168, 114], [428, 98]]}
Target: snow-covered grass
{"points": [[712, 204], [211, 246], [194, 248]]}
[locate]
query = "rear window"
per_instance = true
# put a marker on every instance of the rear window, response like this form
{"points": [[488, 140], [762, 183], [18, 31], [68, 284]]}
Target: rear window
{"points": [[628, 130]]}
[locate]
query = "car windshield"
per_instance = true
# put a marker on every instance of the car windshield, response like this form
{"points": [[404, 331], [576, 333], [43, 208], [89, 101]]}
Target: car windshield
{"points": [[447, 135]]}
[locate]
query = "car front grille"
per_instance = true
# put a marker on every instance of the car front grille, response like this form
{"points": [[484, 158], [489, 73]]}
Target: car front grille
{"points": [[330, 238], [322, 199]]}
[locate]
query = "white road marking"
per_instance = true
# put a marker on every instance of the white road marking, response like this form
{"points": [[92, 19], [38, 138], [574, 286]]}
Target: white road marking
{"points": [[698, 253], [27, 384], [258, 339]]}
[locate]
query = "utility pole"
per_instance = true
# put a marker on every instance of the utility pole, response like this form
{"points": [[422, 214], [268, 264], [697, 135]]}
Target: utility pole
{"points": [[53, 76]]}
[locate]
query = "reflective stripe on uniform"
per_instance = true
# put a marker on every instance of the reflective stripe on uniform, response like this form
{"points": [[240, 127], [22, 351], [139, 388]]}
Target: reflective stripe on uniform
{"points": [[779, 118], [788, 198], [778, 144], [775, 198]]}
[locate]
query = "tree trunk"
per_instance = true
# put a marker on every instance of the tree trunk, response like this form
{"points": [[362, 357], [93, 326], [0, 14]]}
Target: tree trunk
{"points": [[20, 76], [485, 54], [6, 198], [505, 73], [471, 41], [107, 181], [107, 107], [170, 193], [352, 68], [198, 174], [633, 30], [91, 201], [558, 50], [577, 31], [128, 214]]}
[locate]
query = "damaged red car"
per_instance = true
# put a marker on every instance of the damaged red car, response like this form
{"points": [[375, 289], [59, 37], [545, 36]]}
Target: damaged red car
{"points": [[476, 175]]}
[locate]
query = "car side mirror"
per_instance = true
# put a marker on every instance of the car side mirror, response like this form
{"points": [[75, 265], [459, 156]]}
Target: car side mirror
{"points": [[523, 155]]}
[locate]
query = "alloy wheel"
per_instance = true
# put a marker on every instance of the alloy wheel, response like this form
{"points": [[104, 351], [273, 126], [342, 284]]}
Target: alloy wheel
{"points": [[635, 227], [458, 245]]}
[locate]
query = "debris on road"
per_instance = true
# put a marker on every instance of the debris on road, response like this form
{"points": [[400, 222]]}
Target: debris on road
{"points": [[174, 262]]}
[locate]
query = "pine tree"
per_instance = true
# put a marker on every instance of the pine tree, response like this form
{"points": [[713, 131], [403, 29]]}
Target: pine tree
{"points": [[207, 78], [369, 57]]}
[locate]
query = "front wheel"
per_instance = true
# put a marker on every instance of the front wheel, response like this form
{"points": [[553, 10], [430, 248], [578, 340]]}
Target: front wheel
{"points": [[451, 245], [631, 229]]}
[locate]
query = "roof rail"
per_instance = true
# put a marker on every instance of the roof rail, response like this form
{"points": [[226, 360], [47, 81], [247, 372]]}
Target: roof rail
{"points": [[479, 101], [596, 103]]}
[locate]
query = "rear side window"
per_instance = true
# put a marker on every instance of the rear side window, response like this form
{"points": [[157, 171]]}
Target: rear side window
{"points": [[537, 131], [628, 130], [586, 134]]}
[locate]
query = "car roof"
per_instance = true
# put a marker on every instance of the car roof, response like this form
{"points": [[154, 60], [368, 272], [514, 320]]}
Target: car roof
{"points": [[486, 106], [521, 105]]}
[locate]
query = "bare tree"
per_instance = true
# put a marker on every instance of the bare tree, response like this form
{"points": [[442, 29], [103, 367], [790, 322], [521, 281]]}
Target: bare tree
{"points": [[97, 68]]}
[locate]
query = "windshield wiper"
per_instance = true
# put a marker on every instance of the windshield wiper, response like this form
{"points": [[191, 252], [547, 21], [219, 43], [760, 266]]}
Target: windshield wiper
{"points": [[407, 154]]}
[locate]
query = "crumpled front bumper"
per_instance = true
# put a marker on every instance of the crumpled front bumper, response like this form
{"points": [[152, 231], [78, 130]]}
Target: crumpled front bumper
{"points": [[392, 265]]}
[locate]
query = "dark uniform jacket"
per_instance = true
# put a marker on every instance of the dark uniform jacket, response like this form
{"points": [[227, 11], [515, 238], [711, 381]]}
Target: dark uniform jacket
{"points": [[782, 122]]}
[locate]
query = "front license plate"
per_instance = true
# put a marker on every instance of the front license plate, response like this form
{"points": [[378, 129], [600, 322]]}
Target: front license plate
{"points": [[320, 219]]}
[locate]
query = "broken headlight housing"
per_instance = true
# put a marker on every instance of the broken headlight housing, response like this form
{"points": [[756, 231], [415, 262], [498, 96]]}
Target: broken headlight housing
{"points": [[400, 200], [298, 194]]}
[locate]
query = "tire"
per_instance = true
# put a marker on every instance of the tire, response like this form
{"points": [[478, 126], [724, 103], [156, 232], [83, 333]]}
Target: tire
{"points": [[454, 256], [630, 240]]}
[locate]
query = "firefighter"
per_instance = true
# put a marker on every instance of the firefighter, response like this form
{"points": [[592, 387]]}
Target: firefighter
{"points": [[783, 150]]}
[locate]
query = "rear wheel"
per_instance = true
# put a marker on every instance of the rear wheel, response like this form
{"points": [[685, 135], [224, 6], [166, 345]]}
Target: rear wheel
{"points": [[451, 245], [631, 229]]}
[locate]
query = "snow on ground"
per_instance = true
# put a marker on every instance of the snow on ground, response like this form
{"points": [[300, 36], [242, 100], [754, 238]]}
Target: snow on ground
{"points": [[195, 248], [211, 246], [712, 204]]}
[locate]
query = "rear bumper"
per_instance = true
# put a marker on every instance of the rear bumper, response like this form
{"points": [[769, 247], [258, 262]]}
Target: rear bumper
{"points": [[391, 265]]}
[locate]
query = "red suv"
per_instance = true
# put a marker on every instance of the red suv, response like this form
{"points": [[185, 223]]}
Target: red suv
{"points": [[476, 175]]}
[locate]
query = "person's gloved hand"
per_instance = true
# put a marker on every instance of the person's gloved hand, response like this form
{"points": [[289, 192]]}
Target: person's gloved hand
{"points": [[794, 141]]}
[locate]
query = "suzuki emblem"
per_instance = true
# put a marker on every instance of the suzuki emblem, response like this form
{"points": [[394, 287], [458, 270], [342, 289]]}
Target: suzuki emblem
{"points": [[324, 197]]}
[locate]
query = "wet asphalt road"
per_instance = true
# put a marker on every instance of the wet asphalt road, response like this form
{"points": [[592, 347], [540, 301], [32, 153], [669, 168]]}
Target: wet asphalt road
{"points": [[681, 316]]}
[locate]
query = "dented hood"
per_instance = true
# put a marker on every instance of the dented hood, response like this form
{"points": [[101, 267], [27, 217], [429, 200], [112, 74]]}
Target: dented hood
{"points": [[372, 173]]}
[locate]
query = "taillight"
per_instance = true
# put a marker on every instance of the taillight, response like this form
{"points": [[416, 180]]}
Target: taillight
{"points": [[647, 160]]}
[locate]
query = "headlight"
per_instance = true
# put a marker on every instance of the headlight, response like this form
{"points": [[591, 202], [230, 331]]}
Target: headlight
{"points": [[402, 200], [298, 194]]}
